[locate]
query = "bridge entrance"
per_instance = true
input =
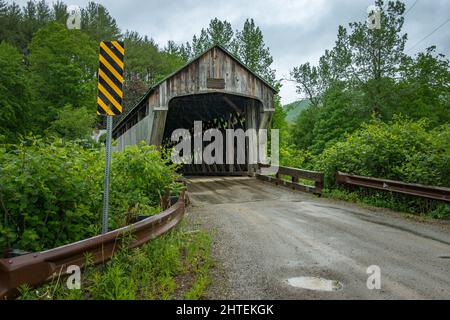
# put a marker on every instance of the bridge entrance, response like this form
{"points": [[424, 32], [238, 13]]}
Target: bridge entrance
{"points": [[219, 111], [215, 88]]}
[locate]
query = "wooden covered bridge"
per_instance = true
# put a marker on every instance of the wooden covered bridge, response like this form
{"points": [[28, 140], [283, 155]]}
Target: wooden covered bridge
{"points": [[216, 88]]}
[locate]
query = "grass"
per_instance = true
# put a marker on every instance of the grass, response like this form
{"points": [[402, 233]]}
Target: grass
{"points": [[391, 200], [173, 266]]}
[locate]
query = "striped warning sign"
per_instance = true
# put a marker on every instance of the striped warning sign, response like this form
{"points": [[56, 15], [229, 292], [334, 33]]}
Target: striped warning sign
{"points": [[110, 78]]}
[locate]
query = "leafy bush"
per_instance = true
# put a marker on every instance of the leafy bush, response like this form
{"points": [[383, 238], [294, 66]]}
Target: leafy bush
{"points": [[295, 158], [15, 105], [51, 192], [401, 150], [73, 123], [140, 176]]}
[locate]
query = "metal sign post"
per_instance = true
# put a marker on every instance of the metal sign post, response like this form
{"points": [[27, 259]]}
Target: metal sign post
{"points": [[109, 121], [109, 103]]}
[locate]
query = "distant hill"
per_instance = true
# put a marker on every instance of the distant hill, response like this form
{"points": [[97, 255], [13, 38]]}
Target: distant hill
{"points": [[293, 109]]}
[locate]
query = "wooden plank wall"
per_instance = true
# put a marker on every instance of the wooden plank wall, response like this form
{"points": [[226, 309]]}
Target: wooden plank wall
{"points": [[213, 64], [139, 132], [193, 79]]}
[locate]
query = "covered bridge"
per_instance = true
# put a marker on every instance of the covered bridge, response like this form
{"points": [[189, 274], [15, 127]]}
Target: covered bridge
{"points": [[215, 88]]}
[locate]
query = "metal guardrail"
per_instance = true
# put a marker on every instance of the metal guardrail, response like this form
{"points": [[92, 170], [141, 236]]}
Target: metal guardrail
{"points": [[419, 190], [37, 268], [295, 175]]}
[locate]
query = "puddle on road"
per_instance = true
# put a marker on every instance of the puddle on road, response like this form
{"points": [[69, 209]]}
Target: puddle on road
{"points": [[315, 283]]}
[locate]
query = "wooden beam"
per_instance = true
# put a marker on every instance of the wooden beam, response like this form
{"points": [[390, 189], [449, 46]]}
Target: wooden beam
{"points": [[232, 104]]}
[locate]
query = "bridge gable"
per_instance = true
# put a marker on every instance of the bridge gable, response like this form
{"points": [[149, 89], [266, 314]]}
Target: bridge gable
{"points": [[215, 71]]}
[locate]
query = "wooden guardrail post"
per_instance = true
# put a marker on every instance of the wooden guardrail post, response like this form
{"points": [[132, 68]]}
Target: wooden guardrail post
{"points": [[295, 175]]}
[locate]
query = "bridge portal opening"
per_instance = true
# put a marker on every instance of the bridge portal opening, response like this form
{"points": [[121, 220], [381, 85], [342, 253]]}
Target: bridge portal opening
{"points": [[216, 111]]}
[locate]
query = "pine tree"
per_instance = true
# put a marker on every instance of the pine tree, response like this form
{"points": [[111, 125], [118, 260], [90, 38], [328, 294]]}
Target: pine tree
{"points": [[11, 19], [98, 23], [218, 32], [251, 49], [60, 12]]}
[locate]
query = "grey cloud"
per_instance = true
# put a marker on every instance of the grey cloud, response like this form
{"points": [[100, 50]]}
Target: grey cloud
{"points": [[295, 31]]}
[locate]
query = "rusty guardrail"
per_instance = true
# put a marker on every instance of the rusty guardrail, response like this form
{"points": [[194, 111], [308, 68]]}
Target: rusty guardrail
{"points": [[419, 190], [295, 175], [37, 268]]}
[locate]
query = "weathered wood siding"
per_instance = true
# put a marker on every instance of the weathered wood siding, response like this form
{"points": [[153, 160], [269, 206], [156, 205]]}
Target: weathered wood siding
{"points": [[137, 133], [214, 64], [214, 71]]}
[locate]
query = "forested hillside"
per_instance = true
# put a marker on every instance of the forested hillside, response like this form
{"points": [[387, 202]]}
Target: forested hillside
{"points": [[293, 109]]}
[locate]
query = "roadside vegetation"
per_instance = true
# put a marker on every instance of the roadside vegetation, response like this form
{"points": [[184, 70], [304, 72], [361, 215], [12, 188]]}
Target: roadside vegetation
{"points": [[173, 266], [51, 190], [371, 109]]}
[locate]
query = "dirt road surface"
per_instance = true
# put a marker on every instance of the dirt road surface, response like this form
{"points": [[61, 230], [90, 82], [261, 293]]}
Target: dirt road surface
{"points": [[265, 235]]}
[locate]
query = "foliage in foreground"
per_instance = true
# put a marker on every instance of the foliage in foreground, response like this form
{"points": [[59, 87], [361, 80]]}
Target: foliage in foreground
{"points": [[51, 191], [174, 266], [402, 150]]}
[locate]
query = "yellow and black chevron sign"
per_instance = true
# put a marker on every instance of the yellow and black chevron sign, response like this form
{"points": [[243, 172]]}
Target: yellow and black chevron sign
{"points": [[110, 78]]}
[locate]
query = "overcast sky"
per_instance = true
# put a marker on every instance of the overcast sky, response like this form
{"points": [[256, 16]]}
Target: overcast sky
{"points": [[296, 31]]}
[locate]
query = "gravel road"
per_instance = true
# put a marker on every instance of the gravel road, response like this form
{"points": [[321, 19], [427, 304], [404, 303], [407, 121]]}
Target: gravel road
{"points": [[265, 235]]}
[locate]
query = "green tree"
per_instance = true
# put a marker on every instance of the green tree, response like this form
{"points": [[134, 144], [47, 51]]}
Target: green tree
{"points": [[251, 49], [247, 45], [367, 73], [98, 23], [73, 123], [35, 16], [423, 90], [15, 106], [361, 57], [62, 65], [218, 32], [10, 22], [59, 12], [142, 58], [310, 82], [146, 64], [184, 51]]}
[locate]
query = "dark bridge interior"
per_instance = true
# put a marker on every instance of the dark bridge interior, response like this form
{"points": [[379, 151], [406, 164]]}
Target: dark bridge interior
{"points": [[215, 110]]}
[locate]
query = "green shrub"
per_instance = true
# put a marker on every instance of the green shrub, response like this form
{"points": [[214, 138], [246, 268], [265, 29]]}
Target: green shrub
{"points": [[51, 191], [401, 150], [295, 158]]}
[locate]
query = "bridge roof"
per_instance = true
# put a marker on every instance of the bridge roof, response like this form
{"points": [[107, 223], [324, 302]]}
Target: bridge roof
{"points": [[153, 87]]}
